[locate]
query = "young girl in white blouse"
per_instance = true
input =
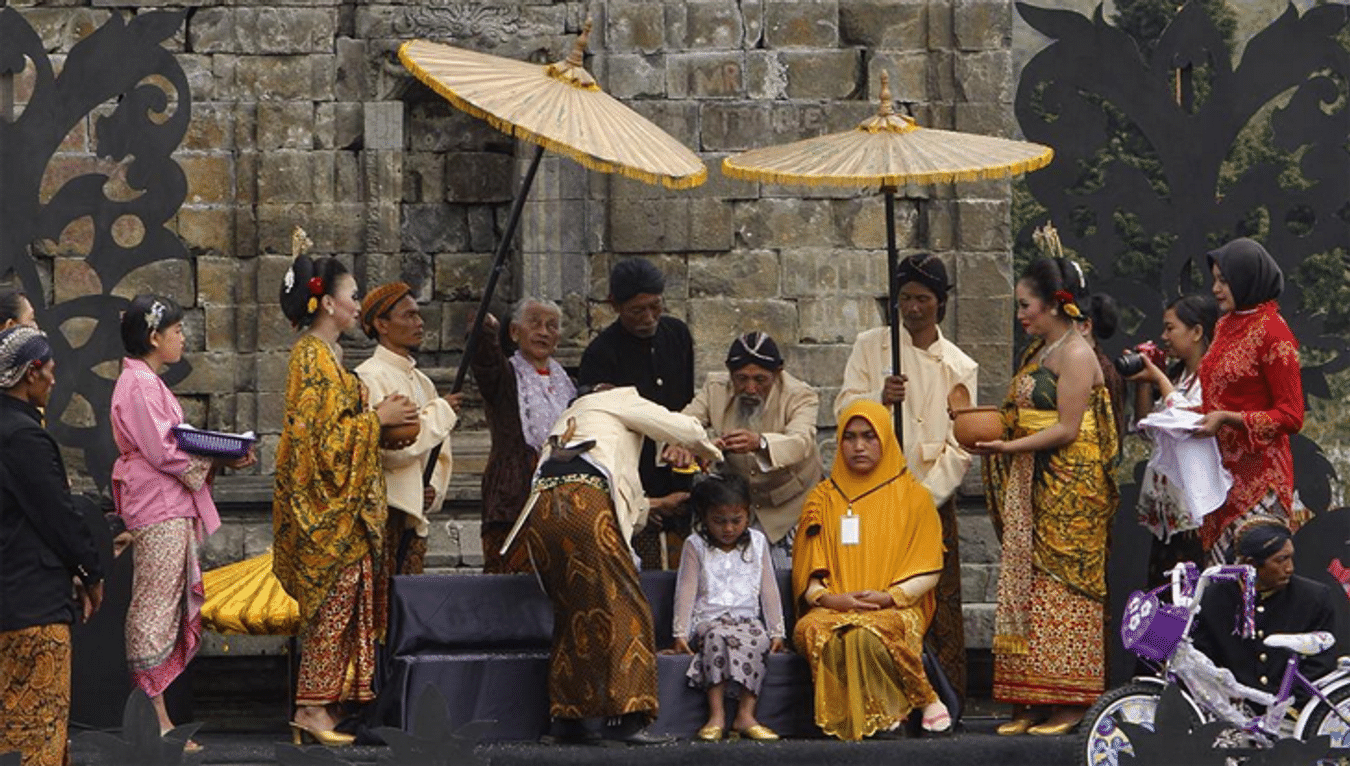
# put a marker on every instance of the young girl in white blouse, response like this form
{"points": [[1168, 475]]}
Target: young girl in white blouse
{"points": [[726, 578], [1188, 327]]}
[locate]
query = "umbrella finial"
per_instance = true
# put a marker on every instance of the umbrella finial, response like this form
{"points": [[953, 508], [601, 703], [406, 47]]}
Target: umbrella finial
{"points": [[887, 109], [578, 55], [570, 69]]}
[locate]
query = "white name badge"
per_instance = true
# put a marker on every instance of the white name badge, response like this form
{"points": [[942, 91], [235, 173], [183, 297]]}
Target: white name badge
{"points": [[849, 533]]}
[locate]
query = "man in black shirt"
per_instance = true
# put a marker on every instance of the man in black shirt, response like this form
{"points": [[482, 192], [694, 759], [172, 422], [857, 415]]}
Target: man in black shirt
{"points": [[1286, 603], [653, 352]]}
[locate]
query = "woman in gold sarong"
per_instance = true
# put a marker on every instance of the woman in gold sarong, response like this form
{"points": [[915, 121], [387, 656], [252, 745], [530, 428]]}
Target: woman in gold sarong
{"points": [[329, 506], [868, 555], [1052, 493]]}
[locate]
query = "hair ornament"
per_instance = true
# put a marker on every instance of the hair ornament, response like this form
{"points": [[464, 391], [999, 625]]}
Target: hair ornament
{"points": [[1070, 306], [312, 305], [154, 316], [288, 281], [316, 286]]}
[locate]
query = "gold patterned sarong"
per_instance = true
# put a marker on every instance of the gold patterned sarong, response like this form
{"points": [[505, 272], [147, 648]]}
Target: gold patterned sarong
{"points": [[35, 693], [1053, 510]]}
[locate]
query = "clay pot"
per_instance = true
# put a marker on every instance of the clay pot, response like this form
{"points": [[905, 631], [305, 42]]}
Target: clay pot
{"points": [[397, 437], [977, 424]]}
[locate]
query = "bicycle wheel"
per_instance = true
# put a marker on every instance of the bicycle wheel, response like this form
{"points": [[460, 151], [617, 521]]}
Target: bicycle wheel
{"points": [[1100, 740], [1323, 722]]}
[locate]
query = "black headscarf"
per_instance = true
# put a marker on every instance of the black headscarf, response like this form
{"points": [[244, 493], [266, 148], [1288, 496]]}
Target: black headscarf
{"points": [[632, 276], [754, 348], [1261, 540], [1250, 272], [928, 270]]}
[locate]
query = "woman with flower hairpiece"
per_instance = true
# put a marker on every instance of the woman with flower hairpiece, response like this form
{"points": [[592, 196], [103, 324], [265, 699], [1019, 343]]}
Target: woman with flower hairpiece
{"points": [[1052, 495], [329, 505], [163, 494]]}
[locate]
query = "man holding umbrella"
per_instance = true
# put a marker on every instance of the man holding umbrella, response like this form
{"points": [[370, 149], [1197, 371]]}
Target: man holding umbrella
{"points": [[653, 352], [932, 367]]}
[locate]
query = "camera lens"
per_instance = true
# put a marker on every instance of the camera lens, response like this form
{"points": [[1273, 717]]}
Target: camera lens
{"points": [[1129, 363]]}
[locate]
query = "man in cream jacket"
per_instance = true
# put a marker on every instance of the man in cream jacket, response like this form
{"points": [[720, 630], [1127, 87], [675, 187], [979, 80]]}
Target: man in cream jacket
{"points": [[389, 315]]}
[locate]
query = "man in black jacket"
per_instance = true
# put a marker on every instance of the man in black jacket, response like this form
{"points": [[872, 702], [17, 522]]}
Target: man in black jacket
{"points": [[654, 352], [44, 545], [1285, 603]]}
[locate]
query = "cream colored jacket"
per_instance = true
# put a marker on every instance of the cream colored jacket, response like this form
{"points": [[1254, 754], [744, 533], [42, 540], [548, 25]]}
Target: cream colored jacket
{"points": [[386, 373], [617, 420], [930, 448], [780, 476]]}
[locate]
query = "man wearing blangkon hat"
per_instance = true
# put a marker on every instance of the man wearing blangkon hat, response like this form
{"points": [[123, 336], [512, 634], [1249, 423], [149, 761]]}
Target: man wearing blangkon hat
{"points": [[932, 367], [765, 423], [654, 352]]}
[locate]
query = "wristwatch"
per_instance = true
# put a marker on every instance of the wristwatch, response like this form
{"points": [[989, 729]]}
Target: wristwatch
{"points": [[763, 443]]}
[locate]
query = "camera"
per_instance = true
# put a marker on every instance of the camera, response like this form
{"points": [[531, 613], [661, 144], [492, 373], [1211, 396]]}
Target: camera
{"points": [[1132, 361]]}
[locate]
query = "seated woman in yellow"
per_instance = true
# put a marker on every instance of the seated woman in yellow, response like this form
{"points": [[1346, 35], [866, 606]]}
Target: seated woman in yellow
{"points": [[869, 552]]}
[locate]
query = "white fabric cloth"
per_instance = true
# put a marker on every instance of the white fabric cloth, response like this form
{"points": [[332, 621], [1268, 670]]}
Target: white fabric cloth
{"points": [[1163, 507], [385, 373], [931, 451], [541, 398], [713, 582], [1192, 464]]}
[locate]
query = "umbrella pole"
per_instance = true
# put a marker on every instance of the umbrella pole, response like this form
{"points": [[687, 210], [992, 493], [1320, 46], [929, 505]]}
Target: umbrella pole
{"points": [[893, 304], [498, 265]]}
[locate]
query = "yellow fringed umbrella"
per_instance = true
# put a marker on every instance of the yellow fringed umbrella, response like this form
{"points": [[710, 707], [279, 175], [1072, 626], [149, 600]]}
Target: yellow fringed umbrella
{"points": [[886, 151], [245, 597], [558, 107]]}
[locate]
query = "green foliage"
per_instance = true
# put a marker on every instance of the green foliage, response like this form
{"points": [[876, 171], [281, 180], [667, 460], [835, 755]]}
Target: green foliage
{"points": [[1145, 20]]}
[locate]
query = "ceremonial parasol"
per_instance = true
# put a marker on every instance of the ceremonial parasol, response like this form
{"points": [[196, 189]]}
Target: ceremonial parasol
{"points": [[245, 597], [558, 107], [888, 150]]}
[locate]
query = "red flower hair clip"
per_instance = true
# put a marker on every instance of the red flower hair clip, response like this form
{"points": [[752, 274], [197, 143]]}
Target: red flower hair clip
{"points": [[1067, 302], [316, 286]]}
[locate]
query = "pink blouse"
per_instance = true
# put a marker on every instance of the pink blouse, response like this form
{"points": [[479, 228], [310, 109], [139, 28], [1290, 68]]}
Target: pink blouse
{"points": [[153, 480]]}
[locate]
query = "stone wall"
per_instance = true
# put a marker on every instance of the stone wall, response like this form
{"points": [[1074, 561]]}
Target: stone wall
{"points": [[302, 115]]}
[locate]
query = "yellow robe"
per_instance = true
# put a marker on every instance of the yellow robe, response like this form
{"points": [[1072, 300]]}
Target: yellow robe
{"points": [[867, 665], [328, 502]]}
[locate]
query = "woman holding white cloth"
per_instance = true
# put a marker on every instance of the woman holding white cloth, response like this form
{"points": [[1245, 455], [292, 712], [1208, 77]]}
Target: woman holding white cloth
{"points": [[1188, 327]]}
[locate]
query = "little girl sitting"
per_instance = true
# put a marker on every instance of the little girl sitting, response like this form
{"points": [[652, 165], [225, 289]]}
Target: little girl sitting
{"points": [[726, 577]]}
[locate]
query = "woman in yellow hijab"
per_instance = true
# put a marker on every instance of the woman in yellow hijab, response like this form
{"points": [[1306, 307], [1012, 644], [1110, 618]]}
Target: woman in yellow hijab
{"points": [[868, 554]]}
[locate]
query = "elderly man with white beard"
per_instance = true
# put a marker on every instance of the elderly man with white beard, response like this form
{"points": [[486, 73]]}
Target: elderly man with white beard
{"points": [[764, 421]]}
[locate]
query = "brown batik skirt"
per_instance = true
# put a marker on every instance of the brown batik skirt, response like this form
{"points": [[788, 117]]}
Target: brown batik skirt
{"points": [[35, 693], [337, 648], [604, 651]]}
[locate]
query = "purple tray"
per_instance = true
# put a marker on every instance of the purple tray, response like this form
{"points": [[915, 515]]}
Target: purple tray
{"points": [[212, 443]]}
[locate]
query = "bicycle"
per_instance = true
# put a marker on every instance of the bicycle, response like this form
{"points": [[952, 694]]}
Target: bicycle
{"points": [[1159, 633]]}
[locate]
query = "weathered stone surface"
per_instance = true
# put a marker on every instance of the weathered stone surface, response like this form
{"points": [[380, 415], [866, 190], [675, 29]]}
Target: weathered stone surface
{"points": [[218, 281], [634, 75], [769, 223], [423, 176], [979, 625], [988, 119], [982, 24], [734, 275], [635, 27], [885, 24], [984, 224], [211, 372], [803, 24], [766, 77], [462, 276], [274, 334], [739, 125], [703, 25], [211, 128], [835, 320], [716, 74], [226, 546], [206, 230], [479, 177], [822, 74], [286, 176], [469, 535], [434, 228], [170, 278], [678, 118], [285, 125], [909, 73], [271, 366], [670, 225], [829, 272], [820, 365], [353, 78], [208, 177], [985, 76], [383, 125]]}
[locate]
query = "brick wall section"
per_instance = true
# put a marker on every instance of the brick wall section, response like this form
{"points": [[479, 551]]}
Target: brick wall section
{"points": [[302, 115]]}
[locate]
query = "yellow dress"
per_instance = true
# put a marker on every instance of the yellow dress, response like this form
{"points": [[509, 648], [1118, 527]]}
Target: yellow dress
{"points": [[328, 518], [866, 665], [1052, 510]]}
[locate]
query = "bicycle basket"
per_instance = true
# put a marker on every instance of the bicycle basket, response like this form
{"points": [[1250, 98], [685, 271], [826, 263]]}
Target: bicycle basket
{"points": [[1150, 628]]}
